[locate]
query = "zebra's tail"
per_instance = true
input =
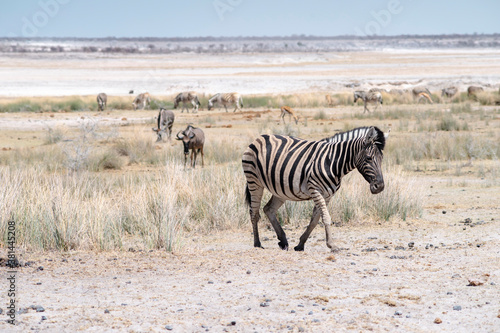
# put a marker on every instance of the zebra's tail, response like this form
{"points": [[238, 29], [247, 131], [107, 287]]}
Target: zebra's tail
{"points": [[248, 196]]}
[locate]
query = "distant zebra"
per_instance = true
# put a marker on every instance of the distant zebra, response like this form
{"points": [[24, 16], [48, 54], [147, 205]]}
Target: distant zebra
{"points": [[185, 98], [420, 93], [102, 100], [473, 90], [449, 92], [165, 122], [226, 99], [368, 97], [141, 101], [300, 170], [291, 113]]}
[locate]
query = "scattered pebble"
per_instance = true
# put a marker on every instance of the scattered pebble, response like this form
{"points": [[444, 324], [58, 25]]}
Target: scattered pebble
{"points": [[315, 320], [457, 308], [39, 308], [249, 272], [437, 321], [264, 305], [293, 311], [169, 327], [44, 318], [106, 311], [398, 313], [411, 244], [310, 313], [444, 212]]}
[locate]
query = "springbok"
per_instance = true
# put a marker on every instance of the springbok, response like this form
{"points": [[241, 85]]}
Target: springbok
{"points": [[185, 98], [291, 113], [422, 93], [329, 100], [102, 100], [449, 92], [473, 90], [226, 99], [165, 121], [141, 101], [368, 97], [193, 138]]}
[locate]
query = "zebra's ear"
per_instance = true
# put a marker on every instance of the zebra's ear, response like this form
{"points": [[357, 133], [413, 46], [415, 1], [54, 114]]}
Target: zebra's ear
{"points": [[371, 136]]}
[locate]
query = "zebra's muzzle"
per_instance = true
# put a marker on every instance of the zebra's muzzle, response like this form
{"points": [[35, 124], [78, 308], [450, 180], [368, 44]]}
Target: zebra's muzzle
{"points": [[377, 187]]}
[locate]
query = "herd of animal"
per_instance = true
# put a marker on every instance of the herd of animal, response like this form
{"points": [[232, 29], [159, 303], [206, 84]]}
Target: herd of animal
{"points": [[291, 168], [193, 138]]}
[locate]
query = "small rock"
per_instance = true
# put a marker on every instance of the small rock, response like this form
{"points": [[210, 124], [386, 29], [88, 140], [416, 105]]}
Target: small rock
{"points": [[437, 321], [264, 305], [444, 212], [457, 308], [293, 311], [233, 323], [229, 281], [40, 268], [106, 311], [44, 318], [353, 263], [310, 313], [411, 244], [169, 327], [249, 272], [399, 248], [398, 313], [315, 320], [39, 308], [210, 282]]}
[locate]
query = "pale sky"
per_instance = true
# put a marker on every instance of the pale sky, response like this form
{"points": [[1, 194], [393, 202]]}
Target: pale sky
{"points": [[228, 18]]}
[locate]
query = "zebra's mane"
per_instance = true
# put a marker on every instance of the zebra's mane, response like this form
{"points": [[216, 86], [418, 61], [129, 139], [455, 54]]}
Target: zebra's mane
{"points": [[357, 133]]}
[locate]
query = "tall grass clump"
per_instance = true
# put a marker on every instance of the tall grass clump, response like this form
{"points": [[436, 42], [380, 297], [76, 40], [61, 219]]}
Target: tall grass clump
{"points": [[401, 199]]}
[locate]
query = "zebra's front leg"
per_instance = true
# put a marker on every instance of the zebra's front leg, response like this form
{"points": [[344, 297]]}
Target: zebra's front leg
{"points": [[321, 203], [270, 209]]}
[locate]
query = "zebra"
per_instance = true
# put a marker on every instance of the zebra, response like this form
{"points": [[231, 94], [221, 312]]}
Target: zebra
{"points": [[141, 101], [291, 113], [420, 93], [187, 97], [299, 170], [473, 90], [165, 121], [449, 92], [374, 97], [226, 99], [102, 100]]}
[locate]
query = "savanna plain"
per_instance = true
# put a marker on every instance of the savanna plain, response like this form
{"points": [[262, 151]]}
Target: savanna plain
{"points": [[114, 233]]}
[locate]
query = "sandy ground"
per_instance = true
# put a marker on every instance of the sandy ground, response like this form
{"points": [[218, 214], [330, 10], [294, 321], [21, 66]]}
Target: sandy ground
{"points": [[220, 283], [254, 73]]}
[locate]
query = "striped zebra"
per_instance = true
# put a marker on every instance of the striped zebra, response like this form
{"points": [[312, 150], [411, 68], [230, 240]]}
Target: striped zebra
{"points": [[185, 98], [291, 113], [141, 101], [299, 170], [102, 100], [226, 99], [368, 97], [449, 92]]}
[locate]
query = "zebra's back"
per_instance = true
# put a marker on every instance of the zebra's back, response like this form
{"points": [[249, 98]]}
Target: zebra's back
{"points": [[283, 165]]}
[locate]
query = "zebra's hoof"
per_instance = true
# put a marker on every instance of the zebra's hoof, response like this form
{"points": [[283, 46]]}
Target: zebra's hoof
{"points": [[299, 248], [335, 249], [283, 245]]}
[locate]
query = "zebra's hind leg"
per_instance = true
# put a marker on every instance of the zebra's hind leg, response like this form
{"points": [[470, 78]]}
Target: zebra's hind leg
{"points": [[254, 198], [314, 222], [270, 209]]}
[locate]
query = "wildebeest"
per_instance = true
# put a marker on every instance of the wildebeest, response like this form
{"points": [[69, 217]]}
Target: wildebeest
{"points": [[141, 101], [165, 121], [193, 138], [102, 100], [473, 90], [185, 98], [449, 92], [422, 93], [291, 113], [368, 97]]}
